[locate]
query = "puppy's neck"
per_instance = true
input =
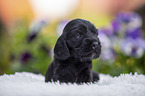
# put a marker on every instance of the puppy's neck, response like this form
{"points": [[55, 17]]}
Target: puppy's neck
{"points": [[75, 61]]}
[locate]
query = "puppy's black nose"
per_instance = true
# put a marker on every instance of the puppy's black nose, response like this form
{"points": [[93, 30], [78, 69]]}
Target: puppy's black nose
{"points": [[94, 45]]}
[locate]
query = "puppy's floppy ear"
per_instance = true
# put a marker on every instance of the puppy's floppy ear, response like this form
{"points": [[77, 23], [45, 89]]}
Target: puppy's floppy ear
{"points": [[61, 50]]}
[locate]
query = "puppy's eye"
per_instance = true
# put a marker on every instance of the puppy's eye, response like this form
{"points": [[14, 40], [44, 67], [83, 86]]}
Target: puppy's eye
{"points": [[78, 36]]}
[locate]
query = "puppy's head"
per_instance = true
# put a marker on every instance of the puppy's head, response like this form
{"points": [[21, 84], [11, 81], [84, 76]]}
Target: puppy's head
{"points": [[79, 40]]}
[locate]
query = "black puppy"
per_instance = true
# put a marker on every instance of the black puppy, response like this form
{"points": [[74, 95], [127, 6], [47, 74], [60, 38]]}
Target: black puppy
{"points": [[73, 54]]}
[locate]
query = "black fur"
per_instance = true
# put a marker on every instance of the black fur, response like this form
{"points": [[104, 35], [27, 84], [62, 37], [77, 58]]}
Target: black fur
{"points": [[73, 54]]}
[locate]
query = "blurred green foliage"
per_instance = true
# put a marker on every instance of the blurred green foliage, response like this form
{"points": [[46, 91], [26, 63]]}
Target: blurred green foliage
{"points": [[122, 64]]}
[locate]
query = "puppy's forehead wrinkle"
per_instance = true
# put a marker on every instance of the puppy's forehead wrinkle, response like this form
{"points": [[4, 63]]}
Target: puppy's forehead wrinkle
{"points": [[79, 27], [91, 27], [79, 23]]}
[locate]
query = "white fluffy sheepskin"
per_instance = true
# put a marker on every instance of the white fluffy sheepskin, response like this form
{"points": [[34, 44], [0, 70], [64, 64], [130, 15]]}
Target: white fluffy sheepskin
{"points": [[29, 84]]}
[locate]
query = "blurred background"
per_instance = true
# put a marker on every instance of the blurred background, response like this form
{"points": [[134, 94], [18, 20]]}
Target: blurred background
{"points": [[30, 28]]}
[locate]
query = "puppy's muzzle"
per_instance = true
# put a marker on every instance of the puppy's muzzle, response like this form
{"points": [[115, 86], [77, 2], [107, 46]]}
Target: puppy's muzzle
{"points": [[94, 43]]}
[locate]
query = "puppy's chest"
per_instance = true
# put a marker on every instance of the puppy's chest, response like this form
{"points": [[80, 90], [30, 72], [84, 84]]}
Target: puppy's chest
{"points": [[80, 70], [77, 71]]}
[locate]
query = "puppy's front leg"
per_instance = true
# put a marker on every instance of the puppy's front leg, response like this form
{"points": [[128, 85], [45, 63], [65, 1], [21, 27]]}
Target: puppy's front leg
{"points": [[95, 76], [85, 76], [62, 76]]}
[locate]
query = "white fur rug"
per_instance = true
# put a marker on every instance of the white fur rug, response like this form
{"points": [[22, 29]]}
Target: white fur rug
{"points": [[29, 84]]}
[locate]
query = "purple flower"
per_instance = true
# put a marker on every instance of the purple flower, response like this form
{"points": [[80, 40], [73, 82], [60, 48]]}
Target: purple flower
{"points": [[25, 57], [133, 47], [108, 53], [105, 40], [134, 33], [108, 31], [124, 17], [125, 30], [116, 25], [113, 29], [133, 20]]}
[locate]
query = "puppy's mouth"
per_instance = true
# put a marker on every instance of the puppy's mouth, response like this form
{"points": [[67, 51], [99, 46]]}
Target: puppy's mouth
{"points": [[88, 56]]}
